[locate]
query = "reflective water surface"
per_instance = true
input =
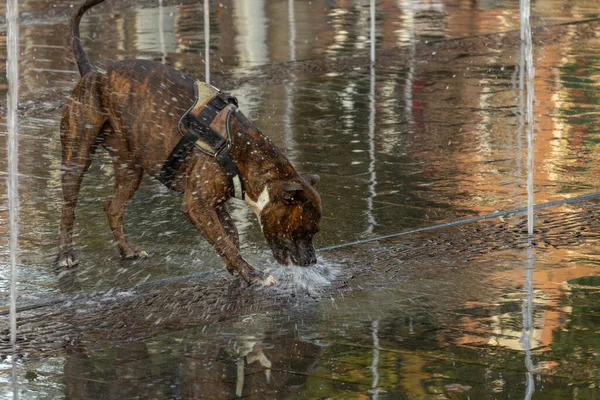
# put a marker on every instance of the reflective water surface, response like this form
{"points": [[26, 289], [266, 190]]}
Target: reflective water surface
{"points": [[429, 315]]}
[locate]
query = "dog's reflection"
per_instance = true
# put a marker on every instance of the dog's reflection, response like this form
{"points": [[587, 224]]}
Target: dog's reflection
{"points": [[168, 367], [250, 352]]}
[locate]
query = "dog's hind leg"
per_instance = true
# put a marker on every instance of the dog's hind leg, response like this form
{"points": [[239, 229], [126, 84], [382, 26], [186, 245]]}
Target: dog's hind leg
{"points": [[81, 127], [128, 175]]}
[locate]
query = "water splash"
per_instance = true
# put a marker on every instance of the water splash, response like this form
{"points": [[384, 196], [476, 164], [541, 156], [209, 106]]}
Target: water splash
{"points": [[313, 280]]}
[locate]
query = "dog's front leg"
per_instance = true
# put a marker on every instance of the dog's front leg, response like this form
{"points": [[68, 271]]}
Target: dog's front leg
{"points": [[228, 225], [205, 218]]}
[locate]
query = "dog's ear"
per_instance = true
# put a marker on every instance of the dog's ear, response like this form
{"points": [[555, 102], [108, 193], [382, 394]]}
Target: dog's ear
{"points": [[313, 179], [293, 192]]}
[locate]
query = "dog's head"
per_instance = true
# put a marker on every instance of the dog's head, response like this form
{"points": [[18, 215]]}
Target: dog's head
{"points": [[290, 215]]}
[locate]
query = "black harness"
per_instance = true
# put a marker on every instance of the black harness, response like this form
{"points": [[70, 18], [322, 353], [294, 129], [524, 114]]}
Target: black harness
{"points": [[199, 134]]}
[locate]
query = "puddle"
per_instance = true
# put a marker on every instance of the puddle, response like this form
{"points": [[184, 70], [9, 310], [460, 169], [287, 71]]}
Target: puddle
{"points": [[435, 314]]}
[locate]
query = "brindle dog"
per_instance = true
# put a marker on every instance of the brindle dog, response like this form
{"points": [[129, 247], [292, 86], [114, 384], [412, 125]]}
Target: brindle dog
{"points": [[132, 110]]}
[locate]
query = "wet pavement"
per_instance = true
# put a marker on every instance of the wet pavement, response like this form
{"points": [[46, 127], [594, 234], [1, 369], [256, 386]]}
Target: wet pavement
{"points": [[431, 135]]}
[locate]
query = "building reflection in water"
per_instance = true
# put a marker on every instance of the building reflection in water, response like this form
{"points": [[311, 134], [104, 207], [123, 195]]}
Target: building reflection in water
{"points": [[251, 25]]}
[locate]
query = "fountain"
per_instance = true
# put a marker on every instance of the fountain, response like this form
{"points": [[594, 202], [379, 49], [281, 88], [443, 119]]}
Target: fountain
{"points": [[161, 32], [206, 42], [288, 129], [372, 173], [372, 193], [371, 316], [12, 68], [526, 75]]}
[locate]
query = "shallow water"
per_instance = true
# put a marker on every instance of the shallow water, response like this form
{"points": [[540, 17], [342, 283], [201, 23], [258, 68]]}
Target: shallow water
{"points": [[433, 314]]}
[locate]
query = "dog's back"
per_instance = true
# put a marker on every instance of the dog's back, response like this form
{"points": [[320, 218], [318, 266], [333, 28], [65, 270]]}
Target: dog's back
{"points": [[144, 101]]}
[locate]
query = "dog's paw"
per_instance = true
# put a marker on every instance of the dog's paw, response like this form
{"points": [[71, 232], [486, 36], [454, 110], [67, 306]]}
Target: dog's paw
{"points": [[259, 277], [131, 251], [65, 261], [134, 255], [269, 281]]}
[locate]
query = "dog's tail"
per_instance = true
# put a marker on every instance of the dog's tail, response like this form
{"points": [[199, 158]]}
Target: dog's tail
{"points": [[83, 62]]}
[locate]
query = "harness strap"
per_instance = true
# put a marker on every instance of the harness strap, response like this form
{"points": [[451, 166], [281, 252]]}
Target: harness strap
{"points": [[199, 134]]}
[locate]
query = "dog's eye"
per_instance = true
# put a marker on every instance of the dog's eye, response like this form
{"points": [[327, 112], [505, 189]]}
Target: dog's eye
{"points": [[304, 234]]}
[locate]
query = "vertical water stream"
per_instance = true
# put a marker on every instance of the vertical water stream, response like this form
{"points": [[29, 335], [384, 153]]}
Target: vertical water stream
{"points": [[206, 42], [12, 69], [288, 130], [161, 32], [526, 87], [371, 222], [292, 27], [372, 182]]}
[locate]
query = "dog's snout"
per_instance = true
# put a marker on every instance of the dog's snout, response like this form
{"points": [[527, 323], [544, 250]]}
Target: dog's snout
{"points": [[308, 260], [305, 255], [300, 252]]}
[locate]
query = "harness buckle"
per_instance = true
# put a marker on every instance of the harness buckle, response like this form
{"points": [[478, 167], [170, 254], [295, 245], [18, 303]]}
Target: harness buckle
{"points": [[225, 99]]}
